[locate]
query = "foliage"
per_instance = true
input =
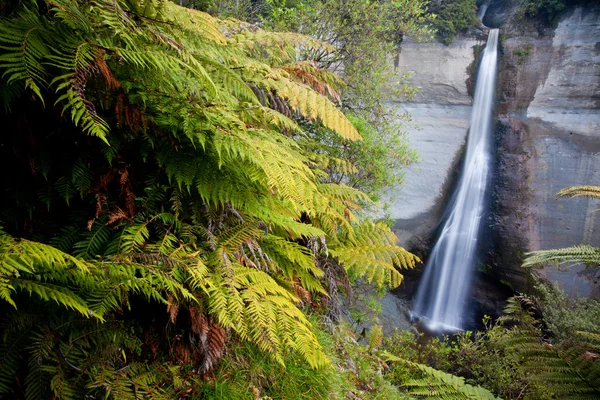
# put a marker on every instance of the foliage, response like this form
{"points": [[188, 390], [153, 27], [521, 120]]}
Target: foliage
{"points": [[586, 254], [564, 317], [523, 52], [558, 370], [452, 17], [546, 12], [575, 191], [157, 169], [371, 165], [435, 384], [365, 34], [355, 372], [512, 358]]}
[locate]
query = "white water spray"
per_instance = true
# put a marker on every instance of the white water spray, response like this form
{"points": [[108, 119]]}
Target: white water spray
{"points": [[444, 286]]}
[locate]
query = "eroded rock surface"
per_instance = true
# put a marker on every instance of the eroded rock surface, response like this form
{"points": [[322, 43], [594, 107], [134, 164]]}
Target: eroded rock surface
{"points": [[549, 138]]}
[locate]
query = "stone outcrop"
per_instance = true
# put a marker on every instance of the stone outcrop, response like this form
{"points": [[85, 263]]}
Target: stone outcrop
{"points": [[549, 138]]}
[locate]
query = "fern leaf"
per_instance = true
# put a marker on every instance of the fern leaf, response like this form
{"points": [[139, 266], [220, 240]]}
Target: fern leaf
{"points": [[574, 191], [585, 254]]}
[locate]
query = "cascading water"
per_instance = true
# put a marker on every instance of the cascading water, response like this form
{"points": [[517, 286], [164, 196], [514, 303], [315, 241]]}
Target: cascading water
{"points": [[444, 286]]}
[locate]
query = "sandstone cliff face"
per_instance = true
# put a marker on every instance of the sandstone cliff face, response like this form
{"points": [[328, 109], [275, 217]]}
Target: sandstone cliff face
{"points": [[440, 114], [549, 138]]}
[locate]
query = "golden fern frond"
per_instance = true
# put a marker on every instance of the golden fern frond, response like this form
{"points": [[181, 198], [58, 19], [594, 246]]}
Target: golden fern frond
{"points": [[585, 254], [200, 23], [314, 106], [375, 337], [574, 191], [322, 81], [371, 253], [259, 310], [301, 97]]}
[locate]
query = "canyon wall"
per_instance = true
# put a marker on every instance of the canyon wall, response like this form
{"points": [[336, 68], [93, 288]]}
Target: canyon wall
{"points": [[440, 115], [547, 135], [549, 138]]}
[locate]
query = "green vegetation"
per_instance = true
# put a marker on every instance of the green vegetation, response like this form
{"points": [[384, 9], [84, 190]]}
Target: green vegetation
{"points": [[453, 17], [513, 357], [164, 174], [546, 12], [186, 197], [366, 34], [523, 52]]}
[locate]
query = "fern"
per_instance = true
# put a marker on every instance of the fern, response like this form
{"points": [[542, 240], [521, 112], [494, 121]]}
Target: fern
{"points": [[373, 255], [563, 370], [178, 180], [24, 45], [574, 191], [435, 384], [576, 254], [586, 254]]}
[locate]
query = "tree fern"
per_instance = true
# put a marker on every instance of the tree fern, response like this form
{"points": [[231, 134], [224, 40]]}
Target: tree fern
{"points": [[181, 180], [562, 370]]}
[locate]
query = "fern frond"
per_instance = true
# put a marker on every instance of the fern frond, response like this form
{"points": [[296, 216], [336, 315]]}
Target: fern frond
{"points": [[93, 242], [373, 255], [80, 60], [585, 254], [322, 81], [259, 310], [574, 191], [24, 49], [563, 370], [435, 384], [198, 22], [314, 106]]}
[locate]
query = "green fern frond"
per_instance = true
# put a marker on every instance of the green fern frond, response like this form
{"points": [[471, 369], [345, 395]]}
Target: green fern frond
{"points": [[585, 254], [259, 310], [24, 48], [94, 242], [79, 60], [435, 384], [564, 370]]}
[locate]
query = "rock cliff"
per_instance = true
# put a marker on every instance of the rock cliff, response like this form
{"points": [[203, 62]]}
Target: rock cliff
{"points": [[440, 116], [549, 138]]}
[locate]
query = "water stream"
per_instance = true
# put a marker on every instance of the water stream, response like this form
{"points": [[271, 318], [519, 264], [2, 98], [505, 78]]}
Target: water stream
{"points": [[445, 283]]}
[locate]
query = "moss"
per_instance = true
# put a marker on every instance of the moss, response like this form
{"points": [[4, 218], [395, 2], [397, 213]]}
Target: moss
{"points": [[522, 53]]}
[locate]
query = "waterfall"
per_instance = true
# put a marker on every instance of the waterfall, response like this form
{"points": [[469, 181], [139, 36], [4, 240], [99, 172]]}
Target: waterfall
{"points": [[445, 283], [482, 10]]}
